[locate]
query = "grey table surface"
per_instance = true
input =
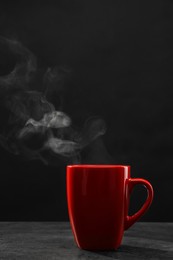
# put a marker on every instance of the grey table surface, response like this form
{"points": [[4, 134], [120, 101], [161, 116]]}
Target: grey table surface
{"points": [[54, 240]]}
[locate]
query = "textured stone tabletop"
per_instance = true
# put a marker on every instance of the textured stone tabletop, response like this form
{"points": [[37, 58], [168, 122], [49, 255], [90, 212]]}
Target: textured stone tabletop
{"points": [[54, 240]]}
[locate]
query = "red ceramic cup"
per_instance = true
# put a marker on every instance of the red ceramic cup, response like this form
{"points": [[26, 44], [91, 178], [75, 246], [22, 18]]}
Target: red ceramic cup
{"points": [[98, 201]]}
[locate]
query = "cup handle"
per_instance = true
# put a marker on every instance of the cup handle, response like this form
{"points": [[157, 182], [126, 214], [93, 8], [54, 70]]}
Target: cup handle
{"points": [[130, 220]]}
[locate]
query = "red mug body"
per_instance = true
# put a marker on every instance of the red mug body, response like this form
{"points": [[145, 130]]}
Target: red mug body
{"points": [[98, 202]]}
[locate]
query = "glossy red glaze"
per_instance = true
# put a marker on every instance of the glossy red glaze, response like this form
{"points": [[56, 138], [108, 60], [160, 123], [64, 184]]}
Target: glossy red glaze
{"points": [[98, 201]]}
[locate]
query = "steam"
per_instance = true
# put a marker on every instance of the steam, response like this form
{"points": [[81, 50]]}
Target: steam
{"points": [[25, 67], [30, 124], [62, 147], [54, 119]]}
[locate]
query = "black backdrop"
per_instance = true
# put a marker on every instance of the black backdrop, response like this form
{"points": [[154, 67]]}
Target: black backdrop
{"points": [[120, 56]]}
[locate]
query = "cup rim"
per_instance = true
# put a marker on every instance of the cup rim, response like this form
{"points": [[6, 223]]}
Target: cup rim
{"points": [[98, 166]]}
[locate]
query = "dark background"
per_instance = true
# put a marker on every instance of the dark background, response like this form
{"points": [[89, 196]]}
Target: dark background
{"points": [[120, 54]]}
